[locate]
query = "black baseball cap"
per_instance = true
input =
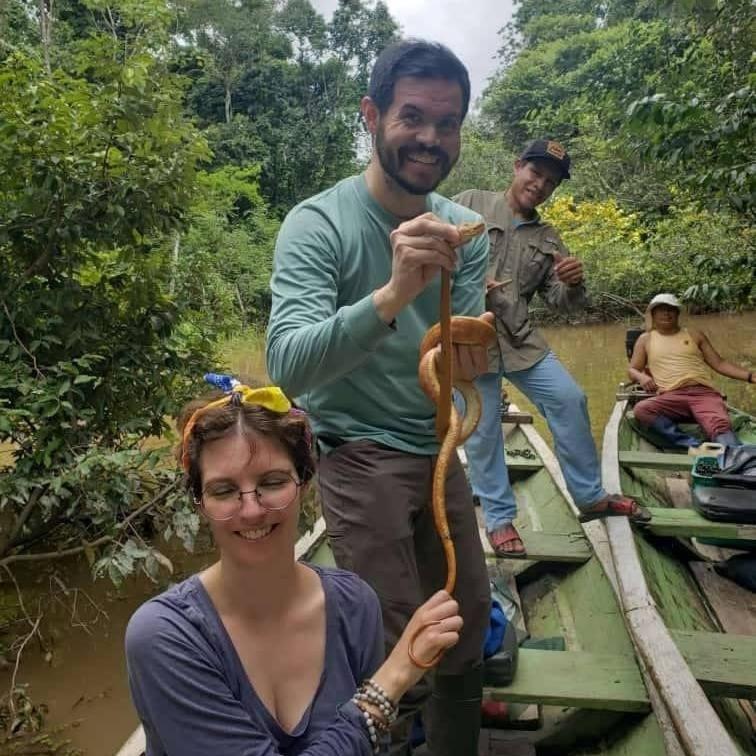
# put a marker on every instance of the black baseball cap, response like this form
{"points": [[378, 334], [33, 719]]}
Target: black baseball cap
{"points": [[547, 149]]}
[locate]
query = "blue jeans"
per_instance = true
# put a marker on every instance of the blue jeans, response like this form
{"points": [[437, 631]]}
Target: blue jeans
{"points": [[562, 402]]}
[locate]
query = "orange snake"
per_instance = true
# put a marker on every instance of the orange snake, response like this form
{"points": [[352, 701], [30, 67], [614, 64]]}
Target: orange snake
{"points": [[452, 430]]}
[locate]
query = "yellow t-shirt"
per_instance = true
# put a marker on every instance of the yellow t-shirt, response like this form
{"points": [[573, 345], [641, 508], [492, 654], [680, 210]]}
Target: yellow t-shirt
{"points": [[675, 361]]}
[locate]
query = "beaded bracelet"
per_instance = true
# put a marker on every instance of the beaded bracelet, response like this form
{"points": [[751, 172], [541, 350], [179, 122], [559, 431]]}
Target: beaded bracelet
{"points": [[372, 693], [371, 727]]}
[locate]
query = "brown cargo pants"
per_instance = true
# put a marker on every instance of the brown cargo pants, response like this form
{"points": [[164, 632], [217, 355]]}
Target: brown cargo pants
{"points": [[377, 508]]}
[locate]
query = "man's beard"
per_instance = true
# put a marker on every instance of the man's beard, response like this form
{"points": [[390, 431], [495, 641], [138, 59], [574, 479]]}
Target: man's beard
{"points": [[391, 161]]}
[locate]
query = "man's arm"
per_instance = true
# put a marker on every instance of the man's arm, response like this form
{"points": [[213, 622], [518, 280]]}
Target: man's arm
{"points": [[716, 362], [563, 288], [638, 362], [310, 340]]}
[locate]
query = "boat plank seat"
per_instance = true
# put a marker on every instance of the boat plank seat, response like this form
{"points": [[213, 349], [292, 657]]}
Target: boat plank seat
{"points": [[678, 491], [611, 682], [724, 664], [684, 523], [656, 460], [514, 464], [733, 605], [548, 547], [516, 417]]}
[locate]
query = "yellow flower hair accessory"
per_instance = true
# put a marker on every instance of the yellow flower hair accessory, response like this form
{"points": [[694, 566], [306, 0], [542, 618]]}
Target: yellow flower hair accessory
{"points": [[269, 397]]}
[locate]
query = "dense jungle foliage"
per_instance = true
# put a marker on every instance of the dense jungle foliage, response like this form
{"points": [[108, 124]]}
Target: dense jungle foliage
{"points": [[148, 151], [656, 103]]}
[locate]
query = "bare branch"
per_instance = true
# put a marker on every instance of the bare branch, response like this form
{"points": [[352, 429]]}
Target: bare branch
{"points": [[39, 373], [73, 594], [22, 518], [91, 544], [27, 617], [20, 651], [34, 624]]}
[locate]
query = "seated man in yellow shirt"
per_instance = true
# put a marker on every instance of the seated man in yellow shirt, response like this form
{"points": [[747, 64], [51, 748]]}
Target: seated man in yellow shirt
{"points": [[671, 361]]}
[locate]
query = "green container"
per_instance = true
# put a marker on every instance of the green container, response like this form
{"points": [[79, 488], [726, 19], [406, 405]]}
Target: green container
{"points": [[700, 478]]}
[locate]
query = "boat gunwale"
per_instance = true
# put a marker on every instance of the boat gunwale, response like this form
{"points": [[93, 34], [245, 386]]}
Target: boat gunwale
{"points": [[696, 723]]}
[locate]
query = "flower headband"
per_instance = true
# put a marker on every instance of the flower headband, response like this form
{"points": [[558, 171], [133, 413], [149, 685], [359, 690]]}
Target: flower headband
{"points": [[270, 397]]}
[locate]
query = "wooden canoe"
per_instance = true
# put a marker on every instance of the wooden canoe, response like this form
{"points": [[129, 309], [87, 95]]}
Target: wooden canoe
{"points": [[593, 697], [694, 631]]}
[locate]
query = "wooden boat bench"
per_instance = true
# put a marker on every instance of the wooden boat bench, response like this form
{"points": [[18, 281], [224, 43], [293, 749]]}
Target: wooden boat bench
{"points": [[687, 523], [724, 664], [721, 662], [656, 460], [519, 467], [610, 682], [548, 547]]}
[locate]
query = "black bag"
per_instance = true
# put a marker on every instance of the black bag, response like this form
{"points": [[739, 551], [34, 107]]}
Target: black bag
{"points": [[725, 504], [738, 467], [741, 569], [500, 669]]}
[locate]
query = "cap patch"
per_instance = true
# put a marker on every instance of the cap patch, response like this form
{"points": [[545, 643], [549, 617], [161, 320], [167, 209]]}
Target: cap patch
{"points": [[556, 149]]}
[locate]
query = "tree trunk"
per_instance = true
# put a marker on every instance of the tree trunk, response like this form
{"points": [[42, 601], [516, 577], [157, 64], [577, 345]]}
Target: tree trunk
{"points": [[13, 525], [229, 112], [45, 30], [174, 263], [241, 303]]}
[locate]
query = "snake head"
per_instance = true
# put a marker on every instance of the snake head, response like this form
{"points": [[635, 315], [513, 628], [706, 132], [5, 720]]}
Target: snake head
{"points": [[469, 230]]}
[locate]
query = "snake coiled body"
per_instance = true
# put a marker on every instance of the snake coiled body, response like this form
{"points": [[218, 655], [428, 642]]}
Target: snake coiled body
{"points": [[436, 380]]}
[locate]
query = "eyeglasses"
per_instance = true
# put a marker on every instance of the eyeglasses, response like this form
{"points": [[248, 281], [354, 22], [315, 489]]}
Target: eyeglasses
{"points": [[222, 500]]}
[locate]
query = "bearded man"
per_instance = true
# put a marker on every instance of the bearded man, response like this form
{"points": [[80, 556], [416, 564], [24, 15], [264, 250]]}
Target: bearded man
{"points": [[355, 287]]}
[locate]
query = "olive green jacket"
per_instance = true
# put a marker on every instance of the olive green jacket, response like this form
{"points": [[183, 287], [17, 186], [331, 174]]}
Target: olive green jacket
{"points": [[521, 260]]}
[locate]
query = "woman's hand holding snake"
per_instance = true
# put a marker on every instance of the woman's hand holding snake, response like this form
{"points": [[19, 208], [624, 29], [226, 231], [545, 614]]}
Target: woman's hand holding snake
{"points": [[435, 626]]}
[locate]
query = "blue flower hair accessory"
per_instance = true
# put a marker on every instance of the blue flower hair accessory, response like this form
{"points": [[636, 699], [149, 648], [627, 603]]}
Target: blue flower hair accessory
{"points": [[223, 382]]}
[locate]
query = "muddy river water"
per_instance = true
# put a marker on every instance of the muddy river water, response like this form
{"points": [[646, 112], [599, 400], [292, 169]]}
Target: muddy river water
{"points": [[82, 678]]}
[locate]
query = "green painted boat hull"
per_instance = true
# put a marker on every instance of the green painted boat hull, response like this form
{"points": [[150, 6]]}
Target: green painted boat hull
{"points": [[573, 601], [665, 561]]}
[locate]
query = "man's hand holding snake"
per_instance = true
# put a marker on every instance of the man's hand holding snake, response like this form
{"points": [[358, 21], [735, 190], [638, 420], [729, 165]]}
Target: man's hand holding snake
{"points": [[421, 247]]}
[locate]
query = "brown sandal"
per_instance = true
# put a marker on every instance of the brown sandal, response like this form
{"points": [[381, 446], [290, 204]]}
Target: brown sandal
{"points": [[616, 505], [501, 536]]}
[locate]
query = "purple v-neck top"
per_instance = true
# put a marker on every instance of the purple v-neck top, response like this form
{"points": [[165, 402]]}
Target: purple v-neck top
{"points": [[195, 699]]}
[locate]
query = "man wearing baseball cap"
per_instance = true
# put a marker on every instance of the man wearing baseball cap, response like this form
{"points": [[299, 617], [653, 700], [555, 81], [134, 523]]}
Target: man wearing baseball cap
{"points": [[527, 256], [671, 362]]}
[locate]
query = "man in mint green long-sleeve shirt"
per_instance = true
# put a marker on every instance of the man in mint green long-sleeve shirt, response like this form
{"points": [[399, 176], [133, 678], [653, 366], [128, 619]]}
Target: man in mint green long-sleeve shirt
{"points": [[355, 287]]}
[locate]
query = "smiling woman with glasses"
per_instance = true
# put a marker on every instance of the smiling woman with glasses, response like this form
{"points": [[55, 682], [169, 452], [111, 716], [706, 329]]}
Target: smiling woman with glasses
{"points": [[259, 654], [221, 499]]}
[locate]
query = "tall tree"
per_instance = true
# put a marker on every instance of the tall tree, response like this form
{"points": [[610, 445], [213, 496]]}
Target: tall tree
{"points": [[235, 34], [358, 32], [99, 166]]}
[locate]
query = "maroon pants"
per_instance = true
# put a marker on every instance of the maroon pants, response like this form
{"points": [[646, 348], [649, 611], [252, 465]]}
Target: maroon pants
{"points": [[699, 404]]}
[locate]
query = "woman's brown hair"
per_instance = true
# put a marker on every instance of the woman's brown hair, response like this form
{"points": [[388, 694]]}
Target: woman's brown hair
{"points": [[291, 430]]}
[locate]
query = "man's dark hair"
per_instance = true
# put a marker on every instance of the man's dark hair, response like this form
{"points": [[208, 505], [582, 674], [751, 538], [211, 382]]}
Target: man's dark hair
{"points": [[418, 58]]}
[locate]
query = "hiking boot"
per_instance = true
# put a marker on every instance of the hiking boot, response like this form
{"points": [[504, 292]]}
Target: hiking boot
{"points": [[452, 715]]}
